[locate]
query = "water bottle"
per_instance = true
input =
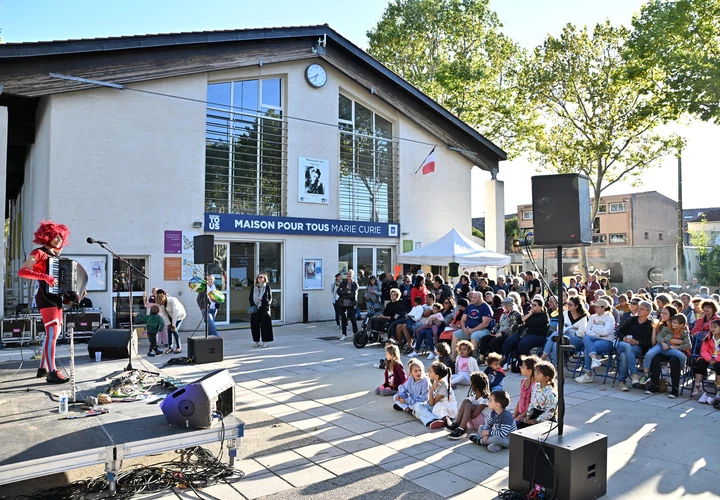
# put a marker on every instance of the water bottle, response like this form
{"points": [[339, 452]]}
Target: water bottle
{"points": [[63, 405]]}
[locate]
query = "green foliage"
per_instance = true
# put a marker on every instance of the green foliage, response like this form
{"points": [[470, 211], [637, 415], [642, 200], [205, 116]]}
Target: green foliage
{"points": [[453, 51], [512, 229], [477, 233], [676, 46], [596, 121], [708, 253]]}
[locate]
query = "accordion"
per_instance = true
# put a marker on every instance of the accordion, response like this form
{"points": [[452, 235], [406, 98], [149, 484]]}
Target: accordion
{"points": [[71, 279]]}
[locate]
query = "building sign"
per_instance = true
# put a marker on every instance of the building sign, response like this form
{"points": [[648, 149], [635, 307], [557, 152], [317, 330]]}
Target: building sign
{"points": [[238, 223], [613, 271]]}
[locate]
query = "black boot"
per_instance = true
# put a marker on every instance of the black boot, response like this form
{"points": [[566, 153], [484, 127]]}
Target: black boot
{"points": [[56, 378], [42, 372]]}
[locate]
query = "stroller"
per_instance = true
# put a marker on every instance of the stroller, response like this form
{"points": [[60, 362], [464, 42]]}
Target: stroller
{"points": [[366, 335]]}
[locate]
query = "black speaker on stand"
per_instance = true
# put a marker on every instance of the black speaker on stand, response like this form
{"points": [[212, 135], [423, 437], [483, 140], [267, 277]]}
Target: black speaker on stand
{"points": [[572, 466], [205, 349]]}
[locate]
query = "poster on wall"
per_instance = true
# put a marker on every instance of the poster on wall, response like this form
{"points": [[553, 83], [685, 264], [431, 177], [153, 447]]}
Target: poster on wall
{"points": [[343, 267], [172, 269], [189, 270], [173, 241], [313, 177], [312, 274], [187, 241], [96, 268]]}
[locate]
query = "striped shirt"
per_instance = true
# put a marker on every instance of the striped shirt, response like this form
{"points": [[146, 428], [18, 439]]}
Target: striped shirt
{"points": [[500, 425]]}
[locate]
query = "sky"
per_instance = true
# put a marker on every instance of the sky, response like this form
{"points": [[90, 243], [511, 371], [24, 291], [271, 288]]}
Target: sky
{"points": [[528, 22]]}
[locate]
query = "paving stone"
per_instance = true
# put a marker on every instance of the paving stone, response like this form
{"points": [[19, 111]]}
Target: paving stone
{"points": [[305, 475], [283, 460], [380, 454], [410, 468], [442, 458], [476, 471], [354, 443], [477, 493], [320, 451], [260, 486], [444, 483], [344, 465]]}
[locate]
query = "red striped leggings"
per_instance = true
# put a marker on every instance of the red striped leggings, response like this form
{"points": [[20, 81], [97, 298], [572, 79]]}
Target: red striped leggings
{"points": [[52, 319]]}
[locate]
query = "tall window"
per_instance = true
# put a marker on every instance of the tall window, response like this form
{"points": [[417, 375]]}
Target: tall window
{"points": [[245, 155], [368, 164]]}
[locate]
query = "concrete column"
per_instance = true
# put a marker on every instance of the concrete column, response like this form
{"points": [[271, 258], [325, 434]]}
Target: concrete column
{"points": [[3, 181], [494, 219]]}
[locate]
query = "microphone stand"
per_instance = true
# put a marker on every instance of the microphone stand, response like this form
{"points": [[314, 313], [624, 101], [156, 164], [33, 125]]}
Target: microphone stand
{"points": [[130, 269]]}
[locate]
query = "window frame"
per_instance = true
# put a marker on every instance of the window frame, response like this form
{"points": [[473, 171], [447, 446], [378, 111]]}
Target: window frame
{"points": [[393, 190], [624, 207], [602, 209], [623, 235], [601, 237], [235, 114], [525, 212]]}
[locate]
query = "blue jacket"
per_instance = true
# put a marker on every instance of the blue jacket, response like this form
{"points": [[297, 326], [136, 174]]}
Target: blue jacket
{"points": [[415, 391]]}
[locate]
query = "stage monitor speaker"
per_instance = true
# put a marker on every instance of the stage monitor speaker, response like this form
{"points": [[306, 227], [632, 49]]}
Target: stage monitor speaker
{"points": [[561, 210], [574, 464], [204, 247], [195, 404], [205, 350], [113, 344]]}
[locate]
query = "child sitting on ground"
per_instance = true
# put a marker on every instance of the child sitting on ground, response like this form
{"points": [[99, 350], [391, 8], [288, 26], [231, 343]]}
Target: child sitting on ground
{"points": [[442, 354], [441, 401], [494, 372], [543, 400], [672, 340], [496, 431], [527, 370], [415, 390], [428, 333], [465, 364], [473, 411], [394, 372], [154, 325]]}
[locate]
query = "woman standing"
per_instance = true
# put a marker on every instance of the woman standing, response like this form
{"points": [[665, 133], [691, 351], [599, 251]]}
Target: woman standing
{"points": [[260, 320], [176, 313], [335, 303], [373, 296], [418, 290], [53, 237]]}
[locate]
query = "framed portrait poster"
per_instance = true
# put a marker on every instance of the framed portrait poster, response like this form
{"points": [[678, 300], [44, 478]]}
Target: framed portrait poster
{"points": [[96, 268], [312, 274], [313, 179]]}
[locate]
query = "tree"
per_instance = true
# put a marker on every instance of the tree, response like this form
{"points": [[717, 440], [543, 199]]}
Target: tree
{"points": [[596, 120], [708, 254], [453, 51], [477, 233], [512, 233], [676, 46]]}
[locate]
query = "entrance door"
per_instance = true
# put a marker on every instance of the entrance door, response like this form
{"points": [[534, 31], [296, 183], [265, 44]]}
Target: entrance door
{"points": [[241, 278], [219, 270]]}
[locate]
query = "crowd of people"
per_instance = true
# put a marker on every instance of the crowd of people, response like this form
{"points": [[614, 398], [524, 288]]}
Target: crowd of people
{"points": [[497, 325]]}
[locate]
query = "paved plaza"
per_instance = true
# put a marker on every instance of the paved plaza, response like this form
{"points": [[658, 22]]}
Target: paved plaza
{"points": [[315, 429]]}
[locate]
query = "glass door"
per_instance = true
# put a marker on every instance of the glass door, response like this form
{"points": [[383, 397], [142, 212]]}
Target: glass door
{"points": [[242, 275], [270, 263], [219, 271], [120, 302]]}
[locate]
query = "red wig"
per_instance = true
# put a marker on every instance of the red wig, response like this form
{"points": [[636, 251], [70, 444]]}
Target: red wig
{"points": [[48, 230]]}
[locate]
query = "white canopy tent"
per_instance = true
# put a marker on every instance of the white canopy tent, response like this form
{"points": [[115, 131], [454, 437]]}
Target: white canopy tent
{"points": [[454, 247]]}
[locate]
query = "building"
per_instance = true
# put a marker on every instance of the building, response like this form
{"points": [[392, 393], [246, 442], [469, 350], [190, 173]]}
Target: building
{"points": [[707, 221], [634, 240], [638, 219], [293, 147]]}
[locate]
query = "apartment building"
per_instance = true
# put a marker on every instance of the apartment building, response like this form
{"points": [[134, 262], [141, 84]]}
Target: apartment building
{"points": [[638, 219]]}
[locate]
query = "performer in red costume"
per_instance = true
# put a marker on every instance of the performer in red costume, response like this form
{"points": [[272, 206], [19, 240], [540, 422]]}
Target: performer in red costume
{"points": [[53, 237]]}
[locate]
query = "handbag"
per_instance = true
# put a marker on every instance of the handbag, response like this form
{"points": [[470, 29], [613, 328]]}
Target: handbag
{"points": [[252, 310]]}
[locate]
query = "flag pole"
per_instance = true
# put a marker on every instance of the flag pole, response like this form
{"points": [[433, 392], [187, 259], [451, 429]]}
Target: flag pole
{"points": [[423, 162]]}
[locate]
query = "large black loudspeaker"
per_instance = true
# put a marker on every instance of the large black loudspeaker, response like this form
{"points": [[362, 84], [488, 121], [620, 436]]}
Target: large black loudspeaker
{"points": [[205, 350], [204, 249], [561, 210], [113, 344], [574, 465], [193, 405]]}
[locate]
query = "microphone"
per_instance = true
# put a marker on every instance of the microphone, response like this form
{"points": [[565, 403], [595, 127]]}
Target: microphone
{"points": [[91, 241]]}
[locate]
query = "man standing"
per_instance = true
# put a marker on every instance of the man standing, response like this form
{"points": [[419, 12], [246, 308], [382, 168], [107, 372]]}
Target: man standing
{"points": [[533, 284], [347, 296]]}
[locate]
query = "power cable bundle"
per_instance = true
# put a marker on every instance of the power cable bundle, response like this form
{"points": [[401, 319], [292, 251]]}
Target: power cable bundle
{"points": [[195, 469]]}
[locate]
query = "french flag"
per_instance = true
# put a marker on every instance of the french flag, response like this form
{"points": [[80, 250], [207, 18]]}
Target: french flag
{"points": [[428, 166]]}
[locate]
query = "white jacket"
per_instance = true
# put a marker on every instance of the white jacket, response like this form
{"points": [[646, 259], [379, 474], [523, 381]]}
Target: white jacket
{"points": [[601, 327], [175, 310], [578, 329]]}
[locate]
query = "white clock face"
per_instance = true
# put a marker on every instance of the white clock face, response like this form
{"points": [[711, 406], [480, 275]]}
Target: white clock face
{"points": [[316, 75]]}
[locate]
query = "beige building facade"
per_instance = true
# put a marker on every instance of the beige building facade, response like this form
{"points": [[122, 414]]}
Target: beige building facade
{"points": [[230, 136]]}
